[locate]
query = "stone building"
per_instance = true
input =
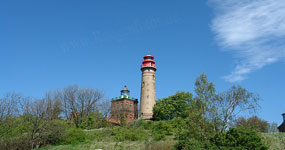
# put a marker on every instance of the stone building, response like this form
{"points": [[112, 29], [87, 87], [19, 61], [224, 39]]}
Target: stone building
{"points": [[148, 90], [123, 108], [281, 128]]}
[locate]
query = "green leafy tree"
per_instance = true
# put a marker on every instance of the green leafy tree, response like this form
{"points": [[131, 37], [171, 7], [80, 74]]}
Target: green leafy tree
{"points": [[233, 102], [253, 123], [172, 106], [221, 109], [196, 129], [206, 100]]}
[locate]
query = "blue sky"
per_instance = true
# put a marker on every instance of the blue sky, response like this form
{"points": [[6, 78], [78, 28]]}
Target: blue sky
{"points": [[46, 45]]}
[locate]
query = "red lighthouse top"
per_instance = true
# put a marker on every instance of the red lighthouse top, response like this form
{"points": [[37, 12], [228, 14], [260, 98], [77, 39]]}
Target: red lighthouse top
{"points": [[148, 62]]}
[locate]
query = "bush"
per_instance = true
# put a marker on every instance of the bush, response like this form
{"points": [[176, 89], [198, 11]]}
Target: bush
{"points": [[160, 129], [237, 139], [189, 144], [74, 136], [54, 133], [87, 122], [17, 134], [177, 125], [233, 139], [94, 121]]}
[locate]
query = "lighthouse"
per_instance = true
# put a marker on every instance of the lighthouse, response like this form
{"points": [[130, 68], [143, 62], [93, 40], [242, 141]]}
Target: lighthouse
{"points": [[148, 90]]}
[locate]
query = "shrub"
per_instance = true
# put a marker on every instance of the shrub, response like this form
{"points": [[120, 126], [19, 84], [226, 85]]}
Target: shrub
{"points": [[87, 122], [55, 133], [74, 136], [189, 144], [233, 139], [17, 134], [160, 129], [237, 139]]}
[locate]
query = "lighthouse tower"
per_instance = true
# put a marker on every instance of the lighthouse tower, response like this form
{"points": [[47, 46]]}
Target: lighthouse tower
{"points": [[148, 91]]}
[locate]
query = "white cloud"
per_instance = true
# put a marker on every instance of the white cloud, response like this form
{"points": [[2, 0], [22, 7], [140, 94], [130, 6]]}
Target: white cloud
{"points": [[253, 30]]}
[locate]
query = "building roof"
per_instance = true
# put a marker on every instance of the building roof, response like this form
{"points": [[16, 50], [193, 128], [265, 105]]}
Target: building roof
{"points": [[125, 88], [124, 97], [281, 128], [125, 94]]}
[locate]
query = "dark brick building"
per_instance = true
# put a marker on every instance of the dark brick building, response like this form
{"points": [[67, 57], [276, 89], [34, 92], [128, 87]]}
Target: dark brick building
{"points": [[281, 128], [123, 108]]}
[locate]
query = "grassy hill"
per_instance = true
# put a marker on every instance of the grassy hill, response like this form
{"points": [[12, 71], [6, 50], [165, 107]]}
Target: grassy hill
{"points": [[103, 139]]}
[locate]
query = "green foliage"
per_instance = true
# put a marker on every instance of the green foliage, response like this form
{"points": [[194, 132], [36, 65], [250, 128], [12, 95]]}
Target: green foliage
{"points": [[128, 134], [172, 106], [253, 123], [16, 133], [55, 133], [177, 125], [94, 120], [204, 89], [160, 129], [87, 122], [237, 139], [189, 144], [233, 139], [74, 136]]}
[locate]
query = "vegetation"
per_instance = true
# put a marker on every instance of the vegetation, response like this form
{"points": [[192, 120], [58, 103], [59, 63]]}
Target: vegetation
{"points": [[172, 107], [74, 118], [253, 123]]}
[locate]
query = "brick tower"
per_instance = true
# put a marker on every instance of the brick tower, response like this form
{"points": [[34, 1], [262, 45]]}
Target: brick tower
{"points": [[148, 90], [123, 107]]}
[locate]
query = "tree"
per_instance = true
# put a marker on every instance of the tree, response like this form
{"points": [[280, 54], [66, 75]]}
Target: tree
{"points": [[221, 109], [105, 107], [80, 102], [207, 100], [253, 123], [9, 105], [172, 106], [234, 101], [272, 127], [54, 104]]}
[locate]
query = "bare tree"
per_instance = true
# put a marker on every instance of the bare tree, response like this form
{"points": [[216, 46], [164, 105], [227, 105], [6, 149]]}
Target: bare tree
{"points": [[105, 107], [80, 102], [9, 105], [69, 98], [54, 104]]}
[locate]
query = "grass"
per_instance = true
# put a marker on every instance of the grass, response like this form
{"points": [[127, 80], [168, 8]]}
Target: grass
{"points": [[275, 141], [102, 139]]}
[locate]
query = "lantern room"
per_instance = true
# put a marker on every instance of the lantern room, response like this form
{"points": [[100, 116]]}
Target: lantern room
{"points": [[148, 62], [125, 91]]}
